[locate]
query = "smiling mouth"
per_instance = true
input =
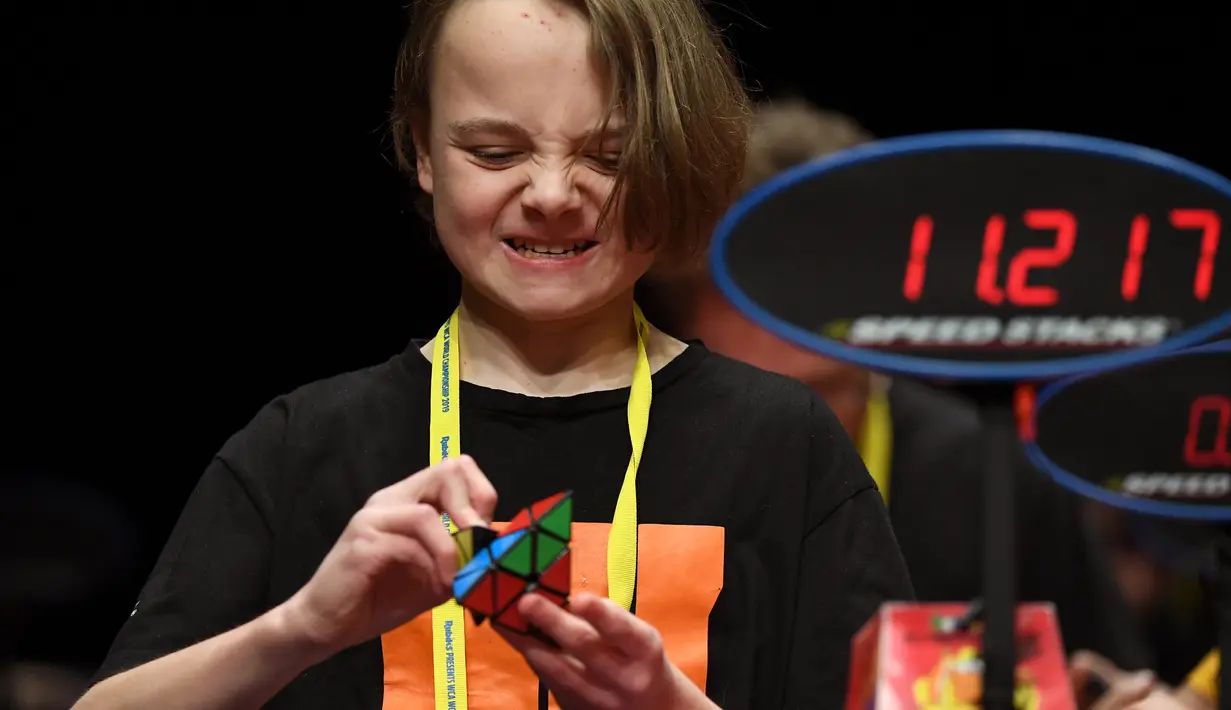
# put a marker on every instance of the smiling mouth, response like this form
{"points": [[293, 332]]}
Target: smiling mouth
{"points": [[563, 250]]}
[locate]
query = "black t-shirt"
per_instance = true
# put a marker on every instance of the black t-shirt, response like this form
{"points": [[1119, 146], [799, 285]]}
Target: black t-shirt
{"points": [[763, 544]]}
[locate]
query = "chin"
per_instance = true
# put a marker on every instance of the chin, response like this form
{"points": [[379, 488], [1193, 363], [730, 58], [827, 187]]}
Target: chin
{"points": [[544, 305], [548, 310]]}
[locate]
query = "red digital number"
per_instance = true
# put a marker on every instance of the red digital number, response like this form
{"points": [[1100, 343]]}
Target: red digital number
{"points": [[1218, 454], [1211, 229], [1065, 225], [1138, 236], [1018, 291], [993, 240], [916, 268]]}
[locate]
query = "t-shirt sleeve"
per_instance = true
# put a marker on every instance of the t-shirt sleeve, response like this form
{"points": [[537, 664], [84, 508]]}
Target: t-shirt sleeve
{"points": [[850, 565], [211, 575]]}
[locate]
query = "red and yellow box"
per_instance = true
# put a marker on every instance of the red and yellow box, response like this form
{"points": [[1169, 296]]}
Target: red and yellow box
{"points": [[904, 659]]}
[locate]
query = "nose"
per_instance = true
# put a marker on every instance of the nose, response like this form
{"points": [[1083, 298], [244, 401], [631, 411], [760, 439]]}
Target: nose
{"points": [[552, 191]]}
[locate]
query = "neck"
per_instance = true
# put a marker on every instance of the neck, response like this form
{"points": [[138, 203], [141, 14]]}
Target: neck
{"points": [[501, 350]]}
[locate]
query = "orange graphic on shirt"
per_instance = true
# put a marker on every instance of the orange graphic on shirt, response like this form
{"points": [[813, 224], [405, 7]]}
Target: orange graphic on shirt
{"points": [[679, 576]]}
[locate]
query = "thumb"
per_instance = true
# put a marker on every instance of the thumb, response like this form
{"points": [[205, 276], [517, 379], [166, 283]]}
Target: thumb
{"points": [[1139, 684], [1127, 690]]}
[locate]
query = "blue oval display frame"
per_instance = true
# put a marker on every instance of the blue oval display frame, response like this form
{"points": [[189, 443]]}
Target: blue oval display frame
{"points": [[951, 369], [1087, 489]]}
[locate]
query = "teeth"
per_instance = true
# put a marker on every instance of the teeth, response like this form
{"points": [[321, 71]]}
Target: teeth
{"points": [[532, 254], [534, 251]]}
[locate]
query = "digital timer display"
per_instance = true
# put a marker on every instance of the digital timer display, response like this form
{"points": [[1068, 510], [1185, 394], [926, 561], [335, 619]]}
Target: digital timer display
{"points": [[1153, 437], [1014, 287], [984, 255]]}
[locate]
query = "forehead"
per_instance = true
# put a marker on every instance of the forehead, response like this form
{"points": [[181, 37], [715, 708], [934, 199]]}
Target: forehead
{"points": [[523, 61]]}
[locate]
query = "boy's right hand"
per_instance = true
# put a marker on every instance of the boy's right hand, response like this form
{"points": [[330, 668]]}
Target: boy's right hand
{"points": [[395, 559]]}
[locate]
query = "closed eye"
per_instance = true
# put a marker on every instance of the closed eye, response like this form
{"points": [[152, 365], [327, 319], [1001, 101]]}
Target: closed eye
{"points": [[609, 162], [494, 157]]}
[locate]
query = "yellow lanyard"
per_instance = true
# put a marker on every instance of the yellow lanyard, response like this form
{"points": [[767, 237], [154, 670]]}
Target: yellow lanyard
{"points": [[448, 623], [876, 441], [1203, 680]]}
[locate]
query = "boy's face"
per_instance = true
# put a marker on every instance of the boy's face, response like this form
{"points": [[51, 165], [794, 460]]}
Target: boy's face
{"points": [[517, 173]]}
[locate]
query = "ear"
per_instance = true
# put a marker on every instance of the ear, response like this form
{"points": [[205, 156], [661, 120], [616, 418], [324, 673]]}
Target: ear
{"points": [[423, 158]]}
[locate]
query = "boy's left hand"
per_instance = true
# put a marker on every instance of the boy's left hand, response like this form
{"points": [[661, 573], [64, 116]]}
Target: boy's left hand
{"points": [[607, 658]]}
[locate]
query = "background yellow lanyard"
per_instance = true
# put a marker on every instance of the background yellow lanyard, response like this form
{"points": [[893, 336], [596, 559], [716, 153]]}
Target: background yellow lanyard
{"points": [[448, 623], [876, 441], [1203, 680]]}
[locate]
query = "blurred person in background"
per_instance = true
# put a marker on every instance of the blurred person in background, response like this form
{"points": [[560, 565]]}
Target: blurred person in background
{"points": [[1166, 576], [921, 444], [1202, 685], [66, 549], [1117, 689]]}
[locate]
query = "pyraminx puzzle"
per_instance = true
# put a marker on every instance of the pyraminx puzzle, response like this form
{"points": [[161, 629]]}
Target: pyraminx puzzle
{"points": [[531, 555]]}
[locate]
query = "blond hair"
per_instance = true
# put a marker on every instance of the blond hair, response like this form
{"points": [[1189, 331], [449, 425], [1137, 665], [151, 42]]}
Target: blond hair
{"points": [[676, 86], [791, 132]]}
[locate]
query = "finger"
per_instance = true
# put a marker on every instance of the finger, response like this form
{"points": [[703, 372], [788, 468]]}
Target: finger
{"points": [[529, 646], [481, 492], [470, 504], [565, 676], [573, 634], [417, 521], [1086, 666], [1077, 680], [575, 637], [409, 488], [617, 627], [540, 655], [1129, 690], [414, 561], [459, 488], [1123, 688], [1089, 662]]}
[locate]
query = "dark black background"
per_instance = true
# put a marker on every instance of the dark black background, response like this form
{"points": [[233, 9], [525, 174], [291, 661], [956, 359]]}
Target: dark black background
{"points": [[202, 212]]}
